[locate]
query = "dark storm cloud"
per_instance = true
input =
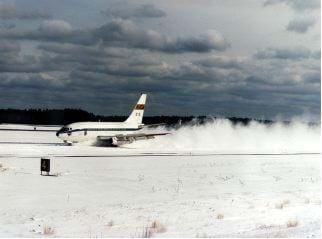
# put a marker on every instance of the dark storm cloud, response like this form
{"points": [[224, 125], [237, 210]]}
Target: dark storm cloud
{"points": [[124, 68], [148, 10], [314, 77], [102, 70], [228, 83], [102, 59], [67, 57], [126, 33], [120, 33], [300, 25], [216, 71], [52, 31], [33, 81], [298, 5], [8, 52], [80, 51], [127, 10], [196, 77], [149, 71], [9, 11], [277, 72], [6, 46], [286, 53], [6, 25], [221, 62]]}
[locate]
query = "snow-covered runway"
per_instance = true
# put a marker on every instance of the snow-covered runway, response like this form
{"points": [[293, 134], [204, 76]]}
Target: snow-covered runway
{"points": [[104, 192]]}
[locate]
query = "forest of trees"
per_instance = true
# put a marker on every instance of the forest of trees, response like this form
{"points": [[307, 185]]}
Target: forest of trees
{"points": [[66, 116]]}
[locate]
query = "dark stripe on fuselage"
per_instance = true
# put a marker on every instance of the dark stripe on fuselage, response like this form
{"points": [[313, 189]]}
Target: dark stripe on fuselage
{"points": [[104, 129]]}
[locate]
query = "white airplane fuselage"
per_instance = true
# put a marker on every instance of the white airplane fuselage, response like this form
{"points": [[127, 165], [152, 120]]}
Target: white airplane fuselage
{"points": [[86, 131]]}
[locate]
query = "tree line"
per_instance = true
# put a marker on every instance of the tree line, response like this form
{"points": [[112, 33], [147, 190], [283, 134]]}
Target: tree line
{"points": [[67, 116]]}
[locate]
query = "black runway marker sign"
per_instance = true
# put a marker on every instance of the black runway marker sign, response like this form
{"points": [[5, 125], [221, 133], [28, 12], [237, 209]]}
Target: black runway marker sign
{"points": [[44, 165]]}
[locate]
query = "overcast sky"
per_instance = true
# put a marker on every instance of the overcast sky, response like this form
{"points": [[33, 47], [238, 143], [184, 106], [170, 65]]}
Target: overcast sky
{"points": [[250, 58]]}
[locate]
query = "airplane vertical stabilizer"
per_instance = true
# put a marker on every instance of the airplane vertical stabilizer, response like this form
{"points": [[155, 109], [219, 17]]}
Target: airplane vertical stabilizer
{"points": [[137, 113]]}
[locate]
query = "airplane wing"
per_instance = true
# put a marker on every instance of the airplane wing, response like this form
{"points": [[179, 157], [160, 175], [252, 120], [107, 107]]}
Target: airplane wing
{"points": [[125, 139]]}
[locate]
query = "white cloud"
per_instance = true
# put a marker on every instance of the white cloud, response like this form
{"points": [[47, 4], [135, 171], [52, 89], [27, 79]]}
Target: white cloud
{"points": [[56, 27]]}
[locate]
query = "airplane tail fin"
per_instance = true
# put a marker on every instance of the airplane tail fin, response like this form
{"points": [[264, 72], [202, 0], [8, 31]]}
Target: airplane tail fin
{"points": [[137, 114]]}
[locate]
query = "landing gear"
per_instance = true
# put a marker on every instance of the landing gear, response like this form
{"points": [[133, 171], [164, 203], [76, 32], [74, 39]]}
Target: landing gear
{"points": [[114, 141], [68, 143]]}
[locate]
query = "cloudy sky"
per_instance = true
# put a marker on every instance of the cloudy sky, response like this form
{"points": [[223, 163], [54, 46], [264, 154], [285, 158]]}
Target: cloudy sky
{"points": [[250, 58]]}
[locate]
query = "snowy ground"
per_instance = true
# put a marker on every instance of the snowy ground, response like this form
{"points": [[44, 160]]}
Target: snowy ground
{"points": [[120, 192]]}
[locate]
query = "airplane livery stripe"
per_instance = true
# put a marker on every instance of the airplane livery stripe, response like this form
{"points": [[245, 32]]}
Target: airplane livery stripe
{"points": [[104, 129], [139, 107]]}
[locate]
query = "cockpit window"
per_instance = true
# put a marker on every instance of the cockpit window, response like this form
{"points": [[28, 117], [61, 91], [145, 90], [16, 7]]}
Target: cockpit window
{"points": [[64, 130]]}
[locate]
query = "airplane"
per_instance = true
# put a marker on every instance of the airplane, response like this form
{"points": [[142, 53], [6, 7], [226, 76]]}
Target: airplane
{"points": [[109, 133]]}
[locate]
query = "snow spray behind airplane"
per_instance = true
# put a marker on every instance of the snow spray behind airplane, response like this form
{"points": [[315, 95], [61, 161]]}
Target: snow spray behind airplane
{"points": [[222, 136]]}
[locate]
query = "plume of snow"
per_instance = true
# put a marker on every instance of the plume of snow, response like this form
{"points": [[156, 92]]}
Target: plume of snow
{"points": [[221, 136]]}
